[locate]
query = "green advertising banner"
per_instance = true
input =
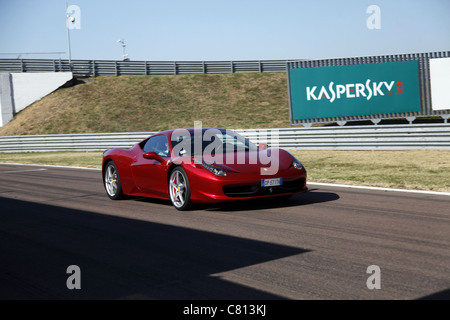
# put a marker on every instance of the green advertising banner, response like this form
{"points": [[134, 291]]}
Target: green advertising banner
{"points": [[354, 90]]}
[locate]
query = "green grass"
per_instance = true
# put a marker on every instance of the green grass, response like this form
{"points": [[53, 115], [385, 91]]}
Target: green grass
{"points": [[421, 170], [155, 103], [61, 158]]}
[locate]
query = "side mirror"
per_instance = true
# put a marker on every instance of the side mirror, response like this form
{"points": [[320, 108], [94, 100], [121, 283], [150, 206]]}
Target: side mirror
{"points": [[263, 146], [153, 156]]}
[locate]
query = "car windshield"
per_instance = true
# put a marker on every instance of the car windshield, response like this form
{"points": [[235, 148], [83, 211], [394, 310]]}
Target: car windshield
{"points": [[208, 141]]}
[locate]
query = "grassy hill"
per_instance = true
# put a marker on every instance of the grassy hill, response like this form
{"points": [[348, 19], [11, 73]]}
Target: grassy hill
{"points": [[153, 103]]}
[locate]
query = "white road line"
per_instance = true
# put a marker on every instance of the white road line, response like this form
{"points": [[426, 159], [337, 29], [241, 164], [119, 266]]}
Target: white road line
{"points": [[379, 188], [20, 171], [47, 166]]}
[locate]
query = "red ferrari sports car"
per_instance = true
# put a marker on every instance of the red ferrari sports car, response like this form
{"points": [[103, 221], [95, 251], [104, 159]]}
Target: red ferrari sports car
{"points": [[202, 165]]}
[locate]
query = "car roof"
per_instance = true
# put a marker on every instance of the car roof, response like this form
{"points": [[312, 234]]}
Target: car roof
{"points": [[166, 132]]}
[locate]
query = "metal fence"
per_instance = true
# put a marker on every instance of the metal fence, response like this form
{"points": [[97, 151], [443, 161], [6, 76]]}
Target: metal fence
{"points": [[424, 84], [380, 137], [113, 67]]}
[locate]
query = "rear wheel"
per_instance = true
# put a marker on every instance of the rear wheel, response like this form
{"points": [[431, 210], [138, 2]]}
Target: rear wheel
{"points": [[112, 182], [179, 189]]}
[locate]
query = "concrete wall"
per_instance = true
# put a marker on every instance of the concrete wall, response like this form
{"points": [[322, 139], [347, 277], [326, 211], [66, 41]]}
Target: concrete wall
{"points": [[19, 90], [6, 99]]}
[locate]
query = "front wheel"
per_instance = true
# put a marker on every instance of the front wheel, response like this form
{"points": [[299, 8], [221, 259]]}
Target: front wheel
{"points": [[179, 189], [112, 182]]}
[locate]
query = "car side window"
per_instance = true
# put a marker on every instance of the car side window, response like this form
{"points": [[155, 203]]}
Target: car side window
{"points": [[159, 145]]}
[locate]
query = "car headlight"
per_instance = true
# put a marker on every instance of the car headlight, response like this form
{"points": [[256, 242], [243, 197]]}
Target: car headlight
{"points": [[297, 164], [217, 171]]}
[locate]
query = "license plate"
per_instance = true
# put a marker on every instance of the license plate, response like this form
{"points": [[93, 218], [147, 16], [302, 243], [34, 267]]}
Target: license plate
{"points": [[271, 182]]}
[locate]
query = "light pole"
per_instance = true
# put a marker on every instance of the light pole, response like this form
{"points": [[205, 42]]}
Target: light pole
{"points": [[69, 19], [125, 56]]}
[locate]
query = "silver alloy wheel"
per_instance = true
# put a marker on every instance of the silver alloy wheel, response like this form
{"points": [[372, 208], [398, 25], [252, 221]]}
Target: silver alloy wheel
{"points": [[111, 180], [177, 188]]}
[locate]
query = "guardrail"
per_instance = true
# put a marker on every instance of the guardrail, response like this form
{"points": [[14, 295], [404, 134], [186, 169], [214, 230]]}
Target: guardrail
{"points": [[376, 137], [114, 67]]}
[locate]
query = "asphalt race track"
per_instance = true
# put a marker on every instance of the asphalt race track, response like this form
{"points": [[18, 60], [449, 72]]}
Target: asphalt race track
{"points": [[314, 246]]}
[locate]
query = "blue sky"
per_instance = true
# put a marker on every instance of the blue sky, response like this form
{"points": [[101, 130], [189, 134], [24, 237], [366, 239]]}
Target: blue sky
{"points": [[223, 30]]}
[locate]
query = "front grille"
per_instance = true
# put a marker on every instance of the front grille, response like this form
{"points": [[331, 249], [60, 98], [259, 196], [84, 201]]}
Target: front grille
{"points": [[257, 190]]}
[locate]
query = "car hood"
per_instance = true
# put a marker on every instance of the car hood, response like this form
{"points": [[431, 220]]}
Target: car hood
{"points": [[245, 161]]}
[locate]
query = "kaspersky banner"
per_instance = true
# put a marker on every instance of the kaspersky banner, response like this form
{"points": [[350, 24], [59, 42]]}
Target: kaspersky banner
{"points": [[354, 90]]}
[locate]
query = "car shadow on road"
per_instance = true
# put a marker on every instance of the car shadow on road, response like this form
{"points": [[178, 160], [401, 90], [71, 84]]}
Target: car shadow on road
{"points": [[311, 197]]}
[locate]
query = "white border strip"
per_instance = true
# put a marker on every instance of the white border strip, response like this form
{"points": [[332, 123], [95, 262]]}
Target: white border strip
{"points": [[47, 166], [379, 188], [313, 183], [22, 171]]}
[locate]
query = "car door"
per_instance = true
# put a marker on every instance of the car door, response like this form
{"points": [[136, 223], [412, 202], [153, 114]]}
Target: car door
{"points": [[150, 175]]}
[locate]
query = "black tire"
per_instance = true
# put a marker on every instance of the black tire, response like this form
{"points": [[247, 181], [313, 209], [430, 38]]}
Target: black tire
{"points": [[179, 189], [111, 181]]}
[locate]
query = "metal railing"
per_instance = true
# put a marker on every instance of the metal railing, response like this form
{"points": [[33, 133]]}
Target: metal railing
{"points": [[114, 67], [379, 137], [376, 137]]}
